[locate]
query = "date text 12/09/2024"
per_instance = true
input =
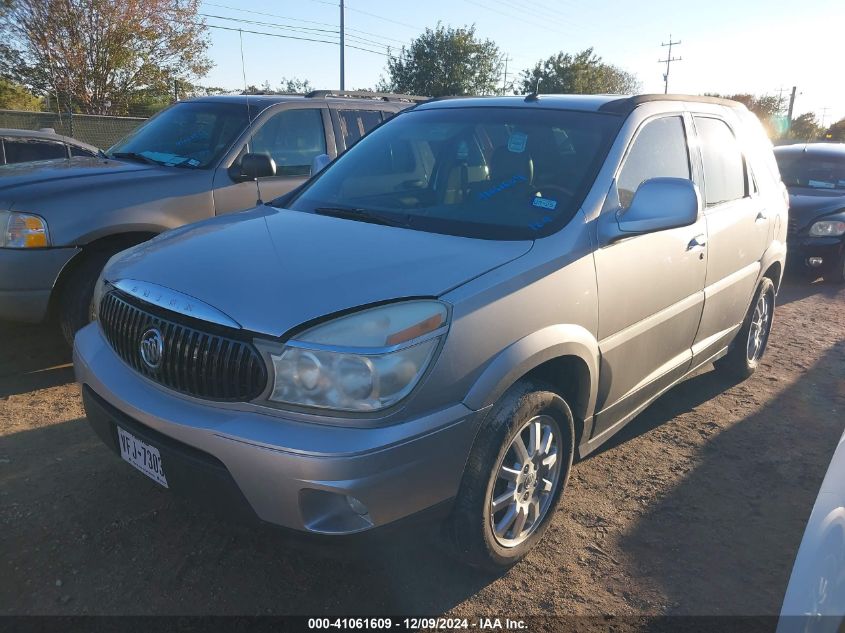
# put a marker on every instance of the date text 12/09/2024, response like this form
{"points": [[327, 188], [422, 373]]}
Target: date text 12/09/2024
{"points": [[443, 624]]}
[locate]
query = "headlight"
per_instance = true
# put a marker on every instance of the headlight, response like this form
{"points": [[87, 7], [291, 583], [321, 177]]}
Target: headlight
{"points": [[828, 228], [365, 361], [23, 230]]}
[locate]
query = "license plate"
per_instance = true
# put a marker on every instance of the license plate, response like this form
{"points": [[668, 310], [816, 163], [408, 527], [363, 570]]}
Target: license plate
{"points": [[142, 456]]}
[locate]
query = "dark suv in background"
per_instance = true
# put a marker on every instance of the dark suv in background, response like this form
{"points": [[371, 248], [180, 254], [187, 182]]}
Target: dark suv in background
{"points": [[814, 174], [60, 221]]}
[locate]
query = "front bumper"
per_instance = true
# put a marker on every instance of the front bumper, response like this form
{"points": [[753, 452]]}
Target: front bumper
{"points": [[27, 278], [283, 471], [802, 248]]}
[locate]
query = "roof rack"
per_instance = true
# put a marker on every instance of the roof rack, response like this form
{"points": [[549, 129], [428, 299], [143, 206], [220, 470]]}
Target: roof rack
{"points": [[365, 94], [624, 105]]}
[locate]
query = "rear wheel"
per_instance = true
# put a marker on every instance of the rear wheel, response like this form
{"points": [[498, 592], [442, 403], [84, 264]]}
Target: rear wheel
{"points": [[750, 342], [514, 477]]}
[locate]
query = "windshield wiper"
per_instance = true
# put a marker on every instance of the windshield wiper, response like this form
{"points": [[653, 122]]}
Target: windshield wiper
{"points": [[363, 215], [134, 156]]}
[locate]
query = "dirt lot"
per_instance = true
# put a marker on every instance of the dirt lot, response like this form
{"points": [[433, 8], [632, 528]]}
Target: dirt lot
{"points": [[697, 507]]}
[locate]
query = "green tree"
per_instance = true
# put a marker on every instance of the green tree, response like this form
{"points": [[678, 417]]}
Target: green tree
{"points": [[804, 128], [294, 85], [444, 61], [95, 55], [581, 73], [13, 96], [768, 108], [836, 132]]}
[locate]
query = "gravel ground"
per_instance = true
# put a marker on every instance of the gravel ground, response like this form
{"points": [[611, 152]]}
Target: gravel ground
{"points": [[697, 507]]}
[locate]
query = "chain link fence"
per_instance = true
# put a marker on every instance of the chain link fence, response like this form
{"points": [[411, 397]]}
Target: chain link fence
{"points": [[101, 131]]}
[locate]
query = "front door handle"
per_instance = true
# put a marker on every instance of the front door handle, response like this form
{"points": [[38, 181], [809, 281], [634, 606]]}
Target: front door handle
{"points": [[699, 241]]}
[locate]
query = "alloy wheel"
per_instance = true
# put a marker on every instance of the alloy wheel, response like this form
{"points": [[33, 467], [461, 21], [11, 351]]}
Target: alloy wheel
{"points": [[758, 333], [525, 480]]}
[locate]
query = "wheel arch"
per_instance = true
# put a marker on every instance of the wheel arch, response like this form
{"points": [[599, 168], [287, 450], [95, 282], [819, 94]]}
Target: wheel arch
{"points": [[113, 242], [564, 356]]}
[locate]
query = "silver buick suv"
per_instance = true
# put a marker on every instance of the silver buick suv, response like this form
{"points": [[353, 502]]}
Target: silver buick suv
{"points": [[476, 293]]}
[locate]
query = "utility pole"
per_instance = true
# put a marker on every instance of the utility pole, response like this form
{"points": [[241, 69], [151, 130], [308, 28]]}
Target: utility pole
{"points": [[342, 42], [824, 115], [669, 59], [505, 79], [791, 106]]}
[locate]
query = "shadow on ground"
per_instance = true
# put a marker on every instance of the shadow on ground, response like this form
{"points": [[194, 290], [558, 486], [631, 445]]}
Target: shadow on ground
{"points": [[745, 505], [32, 357]]}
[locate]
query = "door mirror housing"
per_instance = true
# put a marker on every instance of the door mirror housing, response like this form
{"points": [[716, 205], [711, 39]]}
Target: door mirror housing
{"points": [[319, 163], [660, 204], [252, 167]]}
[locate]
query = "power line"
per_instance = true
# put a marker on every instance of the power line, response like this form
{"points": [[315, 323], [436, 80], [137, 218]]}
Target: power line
{"points": [[669, 59], [295, 29], [292, 37], [284, 17]]}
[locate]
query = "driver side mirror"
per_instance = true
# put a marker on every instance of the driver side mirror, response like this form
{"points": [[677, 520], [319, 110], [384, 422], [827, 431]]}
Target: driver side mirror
{"points": [[252, 167], [660, 204], [319, 163]]}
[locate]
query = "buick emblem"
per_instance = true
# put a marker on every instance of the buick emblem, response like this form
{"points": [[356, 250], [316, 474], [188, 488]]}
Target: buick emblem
{"points": [[152, 348]]}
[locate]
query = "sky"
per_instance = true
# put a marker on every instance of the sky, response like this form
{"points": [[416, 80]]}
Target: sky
{"points": [[727, 46]]}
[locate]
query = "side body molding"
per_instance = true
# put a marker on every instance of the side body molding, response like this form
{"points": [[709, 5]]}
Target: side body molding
{"points": [[533, 350]]}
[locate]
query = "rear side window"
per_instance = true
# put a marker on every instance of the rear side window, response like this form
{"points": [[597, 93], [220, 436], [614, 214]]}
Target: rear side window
{"points": [[79, 151], [659, 151], [292, 138], [724, 167], [356, 123], [25, 151]]}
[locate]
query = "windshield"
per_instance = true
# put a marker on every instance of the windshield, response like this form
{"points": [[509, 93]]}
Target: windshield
{"points": [[189, 134], [799, 169], [494, 173]]}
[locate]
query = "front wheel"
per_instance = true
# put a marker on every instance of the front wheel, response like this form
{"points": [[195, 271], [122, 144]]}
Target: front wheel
{"points": [[76, 295], [750, 342], [515, 475]]}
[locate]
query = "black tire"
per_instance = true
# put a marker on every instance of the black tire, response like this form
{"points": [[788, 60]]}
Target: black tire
{"points": [[469, 529], [77, 292], [737, 363], [836, 275]]}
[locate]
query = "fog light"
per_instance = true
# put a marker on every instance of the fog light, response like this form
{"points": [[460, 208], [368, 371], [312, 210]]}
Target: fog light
{"points": [[357, 506], [815, 262]]}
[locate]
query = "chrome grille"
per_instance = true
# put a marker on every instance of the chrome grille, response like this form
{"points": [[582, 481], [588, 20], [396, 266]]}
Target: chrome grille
{"points": [[194, 362]]}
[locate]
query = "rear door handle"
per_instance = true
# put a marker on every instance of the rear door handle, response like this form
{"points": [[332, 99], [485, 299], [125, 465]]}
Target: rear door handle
{"points": [[761, 216], [699, 241]]}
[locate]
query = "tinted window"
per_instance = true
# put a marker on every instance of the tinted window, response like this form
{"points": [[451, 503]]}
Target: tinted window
{"points": [[504, 173], [799, 169], [79, 151], [292, 138], [724, 168], [192, 134], [659, 151], [356, 123], [25, 151]]}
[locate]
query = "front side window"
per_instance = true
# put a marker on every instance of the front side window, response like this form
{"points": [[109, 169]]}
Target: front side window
{"points": [[292, 138], [192, 134], [25, 151], [495, 173], [721, 156], [659, 151]]}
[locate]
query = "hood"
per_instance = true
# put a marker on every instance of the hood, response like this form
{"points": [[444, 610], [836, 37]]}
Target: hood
{"points": [[271, 270], [23, 183], [807, 204]]}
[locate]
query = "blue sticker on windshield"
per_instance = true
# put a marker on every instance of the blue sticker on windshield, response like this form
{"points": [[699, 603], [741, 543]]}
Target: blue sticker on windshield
{"points": [[516, 142], [544, 203]]}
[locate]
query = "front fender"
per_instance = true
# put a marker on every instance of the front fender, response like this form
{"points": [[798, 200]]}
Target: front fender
{"points": [[530, 352]]}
